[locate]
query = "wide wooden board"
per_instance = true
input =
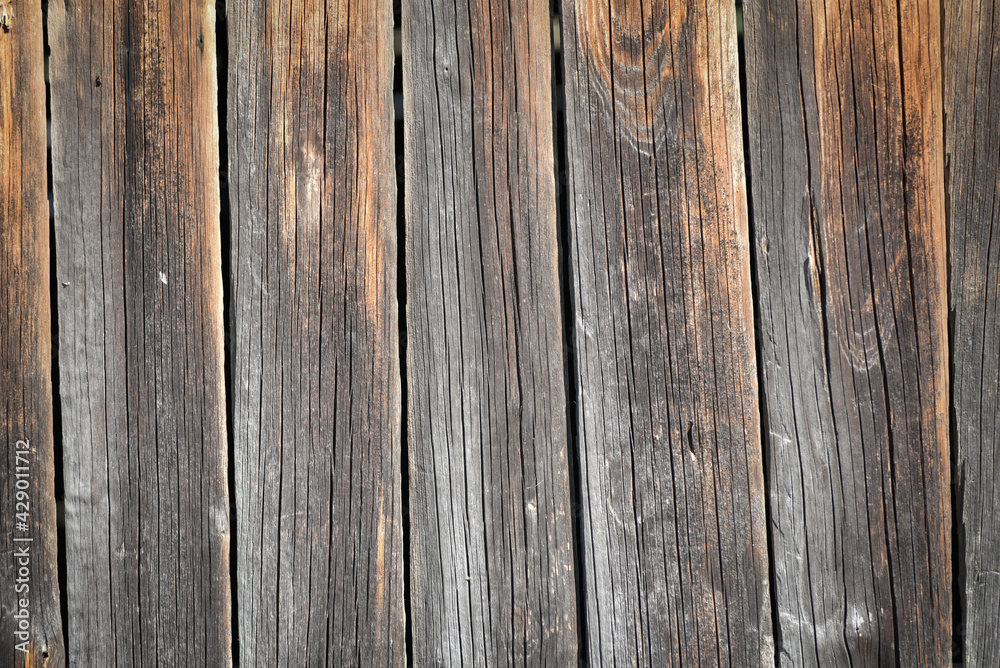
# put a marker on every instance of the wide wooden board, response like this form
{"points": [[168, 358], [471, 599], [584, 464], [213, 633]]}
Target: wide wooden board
{"points": [[138, 265], [674, 541], [847, 174]]}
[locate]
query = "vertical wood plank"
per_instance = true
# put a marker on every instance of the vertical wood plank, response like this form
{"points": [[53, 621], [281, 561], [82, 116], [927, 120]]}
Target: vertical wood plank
{"points": [[846, 167], [972, 110], [316, 368], [492, 561], [675, 547], [30, 621], [135, 174]]}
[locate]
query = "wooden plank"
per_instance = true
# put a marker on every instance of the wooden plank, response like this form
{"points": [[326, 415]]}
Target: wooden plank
{"points": [[675, 545], [972, 110], [491, 527], [135, 175], [316, 369], [30, 621], [845, 145]]}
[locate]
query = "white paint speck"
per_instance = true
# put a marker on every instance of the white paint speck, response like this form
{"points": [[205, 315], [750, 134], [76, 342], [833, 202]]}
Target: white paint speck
{"points": [[163, 278]]}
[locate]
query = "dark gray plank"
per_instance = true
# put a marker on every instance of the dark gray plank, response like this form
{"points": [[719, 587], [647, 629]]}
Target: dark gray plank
{"points": [[135, 173], [30, 622], [316, 385], [492, 560], [675, 547], [846, 169], [972, 110]]}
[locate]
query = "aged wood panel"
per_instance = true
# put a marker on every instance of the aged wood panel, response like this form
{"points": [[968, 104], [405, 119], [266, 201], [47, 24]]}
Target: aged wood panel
{"points": [[846, 167], [972, 110], [138, 265], [316, 385], [491, 526], [675, 545], [30, 622]]}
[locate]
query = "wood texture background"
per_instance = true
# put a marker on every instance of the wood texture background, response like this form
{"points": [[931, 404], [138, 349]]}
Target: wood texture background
{"points": [[25, 348], [491, 548], [135, 174], [846, 165], [644, 406], [316, 391], [972, 106], [674, 541]]}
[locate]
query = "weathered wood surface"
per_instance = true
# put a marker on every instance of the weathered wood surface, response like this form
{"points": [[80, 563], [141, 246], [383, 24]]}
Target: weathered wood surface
{"points": [[316, 373], [846, 167], [138, 266], [674, 540], [972, 110], [491, 527], [28, 571]]}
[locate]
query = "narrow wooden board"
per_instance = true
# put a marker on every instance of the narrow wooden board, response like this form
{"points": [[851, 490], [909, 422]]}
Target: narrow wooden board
{"points": [[30, 619], [972, 110], [674, 537], [138, 265], [491, 528], [316, 386], [845, 148]]}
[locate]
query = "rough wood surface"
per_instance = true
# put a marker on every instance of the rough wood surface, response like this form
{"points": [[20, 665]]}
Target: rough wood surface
{"points": [[316, 384], [972, 110], [674, 541], [28, 571], [492, 562], [138, 265], [847, 171]]}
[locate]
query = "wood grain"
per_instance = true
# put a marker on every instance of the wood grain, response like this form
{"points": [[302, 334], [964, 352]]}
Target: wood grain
{"points": [[846, 166], [138, 265], [492, 560], [972, 110], [674, 540], [28, 542], [316, 384]]}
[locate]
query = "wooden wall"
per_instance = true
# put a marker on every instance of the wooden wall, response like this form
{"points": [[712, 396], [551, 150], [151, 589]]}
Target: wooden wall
{"points": [[677, 344]]}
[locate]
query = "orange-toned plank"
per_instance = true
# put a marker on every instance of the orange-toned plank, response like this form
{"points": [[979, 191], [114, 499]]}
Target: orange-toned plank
{"points": [[847, 174], [30, 621]]}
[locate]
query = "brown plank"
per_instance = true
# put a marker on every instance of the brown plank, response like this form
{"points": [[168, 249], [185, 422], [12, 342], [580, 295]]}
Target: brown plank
{"points": [[138, 265], [491, 529], [316, 369], [30, 622], [845, 146], [972, 110], [675, 546]]}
